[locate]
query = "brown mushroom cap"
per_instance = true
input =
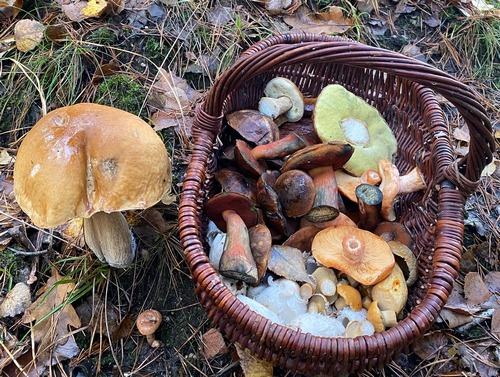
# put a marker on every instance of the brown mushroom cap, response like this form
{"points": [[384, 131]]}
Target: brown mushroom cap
{"points": [[149, 321], [86, 158], [333, 153], [217, 204], [393, 231], [296, 192], [253, 126], [358, 253]]}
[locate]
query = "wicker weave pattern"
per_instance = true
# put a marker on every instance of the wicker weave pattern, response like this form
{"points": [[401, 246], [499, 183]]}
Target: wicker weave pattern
{"points": [[403, 91]]}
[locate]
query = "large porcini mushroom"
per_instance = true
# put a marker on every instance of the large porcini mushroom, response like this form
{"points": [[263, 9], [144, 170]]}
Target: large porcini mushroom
{"points": [[358, 253], [282, 97], [85, 159], [147, 323], [342, 116]]}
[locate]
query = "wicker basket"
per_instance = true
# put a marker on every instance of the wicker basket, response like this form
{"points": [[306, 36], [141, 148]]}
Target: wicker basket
{"points": [[403, 90]]}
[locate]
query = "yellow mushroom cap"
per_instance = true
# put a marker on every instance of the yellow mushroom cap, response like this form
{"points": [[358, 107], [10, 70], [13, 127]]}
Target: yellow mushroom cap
{"points": [[392, 292], [358, 253], [86, 158]]}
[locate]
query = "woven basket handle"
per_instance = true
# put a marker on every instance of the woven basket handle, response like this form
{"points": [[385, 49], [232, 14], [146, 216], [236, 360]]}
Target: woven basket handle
{"points": [[299, 48]]}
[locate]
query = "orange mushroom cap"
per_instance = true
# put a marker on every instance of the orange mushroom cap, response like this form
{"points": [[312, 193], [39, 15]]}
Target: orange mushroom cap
{"points": [[364, 256]]}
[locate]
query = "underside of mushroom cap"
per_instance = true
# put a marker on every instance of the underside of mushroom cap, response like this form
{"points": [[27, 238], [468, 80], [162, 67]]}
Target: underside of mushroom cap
{"points": [[340, 115]]}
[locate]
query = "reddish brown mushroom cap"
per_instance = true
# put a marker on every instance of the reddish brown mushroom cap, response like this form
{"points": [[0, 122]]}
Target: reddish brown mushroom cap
{"points": [[334, 154], [216, 205]]}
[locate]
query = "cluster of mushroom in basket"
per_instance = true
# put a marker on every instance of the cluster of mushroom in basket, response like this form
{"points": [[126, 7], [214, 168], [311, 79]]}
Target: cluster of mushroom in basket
{"points": [[303, 229]]}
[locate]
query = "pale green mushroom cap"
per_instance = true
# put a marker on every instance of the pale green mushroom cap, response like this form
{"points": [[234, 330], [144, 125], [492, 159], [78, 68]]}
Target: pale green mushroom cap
{"points": [[339, 115]]}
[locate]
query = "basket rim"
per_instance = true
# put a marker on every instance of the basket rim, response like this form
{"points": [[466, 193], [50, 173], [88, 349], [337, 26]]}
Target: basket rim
{"points": [[227, 307]]}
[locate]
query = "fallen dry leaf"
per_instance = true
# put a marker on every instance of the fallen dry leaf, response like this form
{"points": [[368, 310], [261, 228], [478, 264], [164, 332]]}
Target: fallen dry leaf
{"points": [[252, 366], [475, 290], [289, 263], [495, 322], [94, 8], [50, 331], [332, 22], [167, 119], [461, 134], [170, 92], [213, 344], [454, 319], [431, 345], [10, 8]]}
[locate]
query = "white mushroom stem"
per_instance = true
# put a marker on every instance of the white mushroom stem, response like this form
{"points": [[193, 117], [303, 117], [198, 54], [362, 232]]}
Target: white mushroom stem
{"points": [[326, 281], [109, 237], [317, 304], [274, 107]]}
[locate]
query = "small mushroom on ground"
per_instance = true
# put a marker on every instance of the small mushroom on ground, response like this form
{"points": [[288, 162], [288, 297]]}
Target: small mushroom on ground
{"points": [[282, 97], [362, 255], [85, 159], [147, 323], [342, 116]]}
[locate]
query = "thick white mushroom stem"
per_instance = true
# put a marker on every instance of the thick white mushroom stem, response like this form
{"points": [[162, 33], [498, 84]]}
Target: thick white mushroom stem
{"points": [[109, 237], [274, 107], [237, 261]]}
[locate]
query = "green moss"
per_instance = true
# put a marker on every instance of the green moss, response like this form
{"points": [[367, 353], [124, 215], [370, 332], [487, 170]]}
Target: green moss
{"points": [[10, 265], [122, 92], [103, 36]]}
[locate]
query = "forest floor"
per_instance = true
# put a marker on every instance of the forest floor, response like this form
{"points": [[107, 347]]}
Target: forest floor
{"points": [[119, 55]]}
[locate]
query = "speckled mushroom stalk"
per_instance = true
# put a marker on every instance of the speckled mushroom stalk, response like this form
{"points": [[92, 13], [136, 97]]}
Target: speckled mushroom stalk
{"points": [[260, 246]]}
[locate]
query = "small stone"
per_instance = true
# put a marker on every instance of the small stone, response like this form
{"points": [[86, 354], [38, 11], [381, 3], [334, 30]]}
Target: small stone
{"points": [[213, 344]]}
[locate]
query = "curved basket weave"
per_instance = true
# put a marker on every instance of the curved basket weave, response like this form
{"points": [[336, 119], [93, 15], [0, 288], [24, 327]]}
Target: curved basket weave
{"points": [[403, 89]]}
